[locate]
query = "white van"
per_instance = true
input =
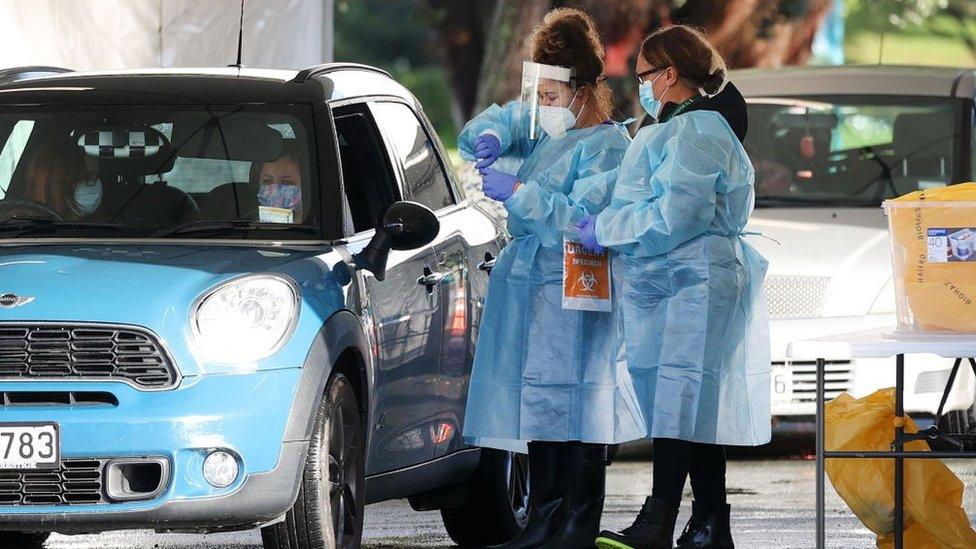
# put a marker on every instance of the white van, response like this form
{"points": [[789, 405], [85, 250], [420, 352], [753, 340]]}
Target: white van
{"points": [[829, 144]]}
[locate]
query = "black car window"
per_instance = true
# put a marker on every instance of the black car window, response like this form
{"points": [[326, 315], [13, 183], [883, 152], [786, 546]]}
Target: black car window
{"points": [[424, 178], [368, 179]]}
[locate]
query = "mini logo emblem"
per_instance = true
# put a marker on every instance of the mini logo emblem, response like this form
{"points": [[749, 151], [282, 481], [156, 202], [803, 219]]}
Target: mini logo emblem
{"points": [[9, 301]]}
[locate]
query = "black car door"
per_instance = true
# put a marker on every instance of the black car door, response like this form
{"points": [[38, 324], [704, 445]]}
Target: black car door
{"points": [[401, 311]]}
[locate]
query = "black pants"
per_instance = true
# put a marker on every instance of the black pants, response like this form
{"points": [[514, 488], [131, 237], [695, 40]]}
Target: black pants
{"points": [[675, 460]]}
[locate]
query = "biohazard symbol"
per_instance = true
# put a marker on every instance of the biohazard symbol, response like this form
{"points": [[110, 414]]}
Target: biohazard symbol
{"points": [[587, 281]]}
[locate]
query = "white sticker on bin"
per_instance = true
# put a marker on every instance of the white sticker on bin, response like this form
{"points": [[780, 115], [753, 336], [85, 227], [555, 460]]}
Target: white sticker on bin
{"points": [[951, 245]]}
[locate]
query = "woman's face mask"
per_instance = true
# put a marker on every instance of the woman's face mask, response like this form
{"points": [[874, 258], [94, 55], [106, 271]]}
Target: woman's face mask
{"points": [[87, 197], [280, 195], [648, 99], [556, 121], [280, 185]]}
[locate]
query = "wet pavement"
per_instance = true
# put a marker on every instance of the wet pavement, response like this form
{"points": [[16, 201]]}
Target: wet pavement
{"points": [[772, 506]]}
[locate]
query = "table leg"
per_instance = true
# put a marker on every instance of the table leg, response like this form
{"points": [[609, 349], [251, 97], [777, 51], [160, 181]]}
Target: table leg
{"points": [[898, 447], [821, 472]]}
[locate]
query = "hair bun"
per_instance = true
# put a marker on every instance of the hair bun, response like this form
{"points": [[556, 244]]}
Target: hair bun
{"points": [[567, 37], [713, 82]]}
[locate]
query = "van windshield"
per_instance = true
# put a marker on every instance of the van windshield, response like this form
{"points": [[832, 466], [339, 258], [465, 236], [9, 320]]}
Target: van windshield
{"points": [[223, 172], [853, 150]]}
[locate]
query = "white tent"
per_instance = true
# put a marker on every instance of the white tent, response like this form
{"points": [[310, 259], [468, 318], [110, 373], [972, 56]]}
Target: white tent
{"points": [[116, 34]]}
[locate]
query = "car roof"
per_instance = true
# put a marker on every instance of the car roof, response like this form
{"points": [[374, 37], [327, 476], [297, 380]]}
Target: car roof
{"points": [[857, 80], [230, 85]]}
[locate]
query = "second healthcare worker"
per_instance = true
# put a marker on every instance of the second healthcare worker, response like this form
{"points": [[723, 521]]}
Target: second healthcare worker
{"points": [[690, 290], [542, 374]]}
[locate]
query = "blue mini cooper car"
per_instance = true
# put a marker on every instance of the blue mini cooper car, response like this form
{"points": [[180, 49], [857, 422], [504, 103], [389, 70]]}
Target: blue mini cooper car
{"points": [[233, 299]]}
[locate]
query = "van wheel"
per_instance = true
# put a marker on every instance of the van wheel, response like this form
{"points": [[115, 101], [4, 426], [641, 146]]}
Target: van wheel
{"points": [[19, 540], [496, 507], [328, 513]]}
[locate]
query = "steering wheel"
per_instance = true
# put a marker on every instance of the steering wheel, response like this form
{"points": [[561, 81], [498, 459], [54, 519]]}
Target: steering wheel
{"points": [[19, 206]]}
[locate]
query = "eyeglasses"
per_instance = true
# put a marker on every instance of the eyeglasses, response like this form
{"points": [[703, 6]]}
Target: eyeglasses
{"points": [[640, 76]]}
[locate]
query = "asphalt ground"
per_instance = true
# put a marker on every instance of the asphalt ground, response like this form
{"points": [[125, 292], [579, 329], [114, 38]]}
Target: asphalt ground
{"points": [[772, 506]]}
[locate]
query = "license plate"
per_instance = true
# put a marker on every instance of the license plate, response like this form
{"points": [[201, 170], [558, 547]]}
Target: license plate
{"points": [[29, 446], [782, 384]]}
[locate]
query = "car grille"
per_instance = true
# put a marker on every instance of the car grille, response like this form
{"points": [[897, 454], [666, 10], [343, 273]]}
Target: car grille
{"points": [[75, 482], [796, 296], [84, 351], [838, 378]]}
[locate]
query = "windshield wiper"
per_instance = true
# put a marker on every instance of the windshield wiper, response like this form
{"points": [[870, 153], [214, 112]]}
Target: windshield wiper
{"points": [[229, 226], [28, 225]]}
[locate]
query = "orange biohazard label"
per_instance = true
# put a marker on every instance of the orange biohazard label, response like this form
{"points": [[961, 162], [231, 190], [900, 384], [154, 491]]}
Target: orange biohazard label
{"points": [[586, 278]]}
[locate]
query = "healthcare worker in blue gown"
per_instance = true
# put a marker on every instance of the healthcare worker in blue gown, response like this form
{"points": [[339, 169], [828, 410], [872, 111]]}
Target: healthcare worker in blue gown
{"points": [[543, 377], [692, 312]]}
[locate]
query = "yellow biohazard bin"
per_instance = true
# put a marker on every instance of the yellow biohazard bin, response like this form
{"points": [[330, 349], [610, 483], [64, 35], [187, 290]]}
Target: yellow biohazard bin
{"points": [[933, 240]]}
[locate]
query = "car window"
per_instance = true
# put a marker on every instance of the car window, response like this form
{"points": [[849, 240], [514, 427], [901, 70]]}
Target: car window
{"points": [[424, 176], [367, 176], [851, 150], [203, 175], [227, 171]]}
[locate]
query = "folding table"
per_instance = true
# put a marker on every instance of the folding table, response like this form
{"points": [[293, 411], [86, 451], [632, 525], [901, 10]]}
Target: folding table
{"points": [[884, 343]]}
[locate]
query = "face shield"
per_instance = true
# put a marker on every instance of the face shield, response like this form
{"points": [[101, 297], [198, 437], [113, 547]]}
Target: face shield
{"points": [[547, 95]]}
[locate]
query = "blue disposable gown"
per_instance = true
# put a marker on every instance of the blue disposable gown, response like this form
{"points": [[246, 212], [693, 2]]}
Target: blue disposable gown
{"points": [[691, 299], [542, 373]]}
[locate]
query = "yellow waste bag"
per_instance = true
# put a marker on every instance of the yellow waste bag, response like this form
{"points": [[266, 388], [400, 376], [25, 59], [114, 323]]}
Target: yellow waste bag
{"points": [[933, 237], [934, 517]]}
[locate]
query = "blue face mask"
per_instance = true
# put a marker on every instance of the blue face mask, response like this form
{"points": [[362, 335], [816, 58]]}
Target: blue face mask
{"points": [[651, 104]]}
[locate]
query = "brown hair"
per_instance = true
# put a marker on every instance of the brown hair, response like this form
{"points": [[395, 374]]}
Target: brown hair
{"points": [[290, 149], [690, 53], [567, 37], [51, 172]]}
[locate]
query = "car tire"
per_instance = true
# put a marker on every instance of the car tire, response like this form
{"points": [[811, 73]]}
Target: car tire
{"points": [[497, 503], [20, 540], [328, 513]]}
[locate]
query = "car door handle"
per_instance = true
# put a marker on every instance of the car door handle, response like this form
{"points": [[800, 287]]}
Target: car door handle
{"points": [[430, 279], [488, 264]]}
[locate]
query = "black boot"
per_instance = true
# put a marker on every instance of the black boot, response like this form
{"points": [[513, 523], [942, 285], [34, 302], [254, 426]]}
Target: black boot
{"points": [[545, 497], [653, 528], [708, 528], [583, 479]]}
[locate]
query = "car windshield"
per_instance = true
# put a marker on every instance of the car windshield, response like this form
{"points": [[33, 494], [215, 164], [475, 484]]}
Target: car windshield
{"points": [[852, 150], [223, 172]]}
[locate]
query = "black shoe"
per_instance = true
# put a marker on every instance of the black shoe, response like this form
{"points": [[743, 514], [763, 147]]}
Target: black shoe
{"points": [[583, 469], [708, 528], [653, 528], [545, 497]]}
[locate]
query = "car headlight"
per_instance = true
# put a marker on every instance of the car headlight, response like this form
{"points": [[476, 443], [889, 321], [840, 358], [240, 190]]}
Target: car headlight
{"points": [[247, 319]]}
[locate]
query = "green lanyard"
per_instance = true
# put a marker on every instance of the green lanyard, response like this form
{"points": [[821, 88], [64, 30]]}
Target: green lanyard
{"points": [[680, 109]]}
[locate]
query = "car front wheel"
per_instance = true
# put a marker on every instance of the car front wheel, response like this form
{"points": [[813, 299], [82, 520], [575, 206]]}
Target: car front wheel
{"points": [[328, 513]]}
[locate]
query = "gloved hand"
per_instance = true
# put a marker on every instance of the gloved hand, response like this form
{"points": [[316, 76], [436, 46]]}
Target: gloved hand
{"points": [[487, 149], [587, 234], [497, 185]]}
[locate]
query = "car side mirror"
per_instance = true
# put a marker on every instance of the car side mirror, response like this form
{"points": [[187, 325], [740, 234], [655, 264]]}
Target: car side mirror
{"points": [[405, 226]]}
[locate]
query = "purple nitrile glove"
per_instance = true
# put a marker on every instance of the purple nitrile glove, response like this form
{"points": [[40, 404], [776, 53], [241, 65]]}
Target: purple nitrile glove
{"points": [[587, 234], [497, 185], [487, 149]]}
